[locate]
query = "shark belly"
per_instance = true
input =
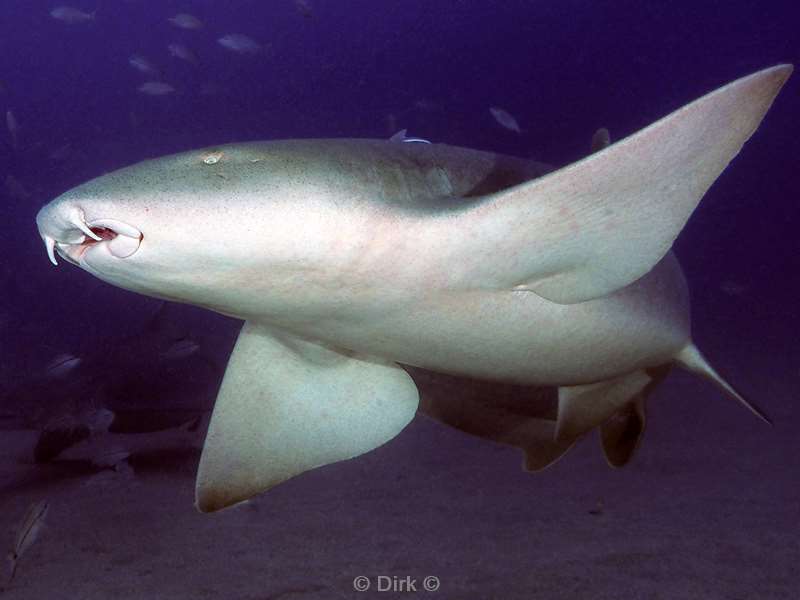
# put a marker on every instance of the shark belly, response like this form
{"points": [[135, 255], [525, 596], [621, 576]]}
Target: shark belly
{"points": [[522, 338]]}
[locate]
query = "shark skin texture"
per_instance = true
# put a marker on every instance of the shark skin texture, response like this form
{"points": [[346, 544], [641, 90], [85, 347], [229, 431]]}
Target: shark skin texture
{"points": [[369, 271]]}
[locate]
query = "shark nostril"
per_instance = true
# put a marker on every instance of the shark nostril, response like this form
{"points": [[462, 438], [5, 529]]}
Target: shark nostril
{"points": [[70, 235], [114, 226], [103, 234], [123, 239]]}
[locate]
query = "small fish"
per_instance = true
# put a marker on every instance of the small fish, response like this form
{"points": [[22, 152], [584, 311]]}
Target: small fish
{"points": [[104, 448], [505, 119], [13, 128], [182, 348], [182, 52], [157, 378], [238, 42], [61, 365], [401, 136], [141, 64], [71, 15], [733, 288], [29, 530], [156, 88], [303, 7], [186, 21]]}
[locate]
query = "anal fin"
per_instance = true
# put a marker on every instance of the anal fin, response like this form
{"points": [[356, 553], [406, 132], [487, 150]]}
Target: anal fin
{"points": [[287, 405]]}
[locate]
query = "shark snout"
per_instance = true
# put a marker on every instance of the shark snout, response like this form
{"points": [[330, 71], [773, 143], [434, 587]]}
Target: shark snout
{"points": [[66, 230]]}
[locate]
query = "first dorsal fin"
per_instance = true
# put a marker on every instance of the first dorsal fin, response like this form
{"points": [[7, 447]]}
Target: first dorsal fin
{"points": [[599, 224]]}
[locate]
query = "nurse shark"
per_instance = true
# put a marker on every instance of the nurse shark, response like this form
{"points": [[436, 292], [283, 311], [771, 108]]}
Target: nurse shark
{"points": [[354, 263]]}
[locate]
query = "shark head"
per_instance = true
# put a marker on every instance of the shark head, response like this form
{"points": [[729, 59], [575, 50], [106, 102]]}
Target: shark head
{"points": [[194, 227]]}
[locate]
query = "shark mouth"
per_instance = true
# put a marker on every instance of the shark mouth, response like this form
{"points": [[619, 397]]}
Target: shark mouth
{"points": [[75, 236]]}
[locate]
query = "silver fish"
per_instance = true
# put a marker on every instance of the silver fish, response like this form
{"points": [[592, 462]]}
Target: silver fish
{"points": [[182, 348], [304, 8], [156, 379], [504, 118], [186, 21], [71, 15], [29, 530], [141, 64], [182, 52], [62, 365], [238, 42], [156, 88], [401, 136], [13, 128]]}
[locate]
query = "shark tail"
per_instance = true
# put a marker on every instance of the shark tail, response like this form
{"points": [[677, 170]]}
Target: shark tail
{"points": [[692, 360]]}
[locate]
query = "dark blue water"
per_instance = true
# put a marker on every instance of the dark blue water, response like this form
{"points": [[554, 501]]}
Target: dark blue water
{"points": [[361, 68]]}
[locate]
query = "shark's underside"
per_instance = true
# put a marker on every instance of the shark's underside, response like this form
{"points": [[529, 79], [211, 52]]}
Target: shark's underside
{"points": [[349, 258]]}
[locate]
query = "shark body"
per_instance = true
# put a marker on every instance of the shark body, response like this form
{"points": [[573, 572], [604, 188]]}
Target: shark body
{"points": [[348, 258]]}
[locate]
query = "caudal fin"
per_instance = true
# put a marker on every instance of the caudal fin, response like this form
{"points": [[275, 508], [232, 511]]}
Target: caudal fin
{"points": [[691, 359]]}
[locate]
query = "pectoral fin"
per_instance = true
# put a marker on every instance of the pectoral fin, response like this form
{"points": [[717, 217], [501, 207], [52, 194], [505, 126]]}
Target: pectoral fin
{"points": [[287, 405], [599, 224]]}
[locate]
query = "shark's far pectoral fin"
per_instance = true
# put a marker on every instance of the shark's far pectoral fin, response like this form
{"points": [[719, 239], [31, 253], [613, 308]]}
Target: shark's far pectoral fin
{"points": [[287, 405], [599, 224]]}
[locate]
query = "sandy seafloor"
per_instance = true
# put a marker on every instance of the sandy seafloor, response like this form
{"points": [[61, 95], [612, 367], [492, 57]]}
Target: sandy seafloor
{"points": [[709, 509]]}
